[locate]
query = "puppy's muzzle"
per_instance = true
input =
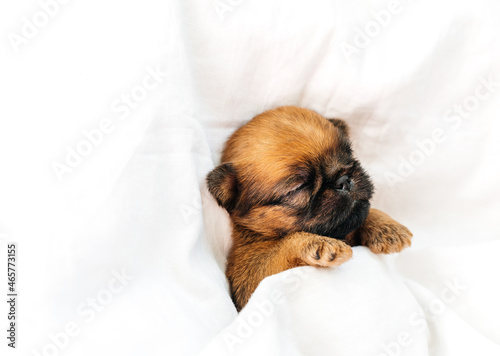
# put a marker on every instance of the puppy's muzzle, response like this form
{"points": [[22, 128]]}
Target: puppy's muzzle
{"points": [[344, 184]]}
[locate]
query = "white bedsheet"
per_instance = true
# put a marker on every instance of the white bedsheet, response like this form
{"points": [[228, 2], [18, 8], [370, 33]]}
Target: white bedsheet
{"points": [[122, 250]]}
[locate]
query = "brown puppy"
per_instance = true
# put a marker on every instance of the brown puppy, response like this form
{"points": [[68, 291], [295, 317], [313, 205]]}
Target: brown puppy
{"points": [[296, 196]]}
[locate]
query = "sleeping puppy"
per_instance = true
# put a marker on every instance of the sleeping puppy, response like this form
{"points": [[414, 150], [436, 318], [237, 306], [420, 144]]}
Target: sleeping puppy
{"points": [[296, 197]]}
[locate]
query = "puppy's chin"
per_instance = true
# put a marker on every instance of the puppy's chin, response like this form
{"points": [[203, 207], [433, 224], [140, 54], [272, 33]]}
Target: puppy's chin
{"points": [[339, 229]]}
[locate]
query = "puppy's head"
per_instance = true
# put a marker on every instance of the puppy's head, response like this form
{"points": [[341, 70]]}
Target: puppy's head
{"points": [[288, 170]]}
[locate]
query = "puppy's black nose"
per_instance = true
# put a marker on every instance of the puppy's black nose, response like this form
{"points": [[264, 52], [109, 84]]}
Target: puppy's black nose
{"points": [[344, 184]]}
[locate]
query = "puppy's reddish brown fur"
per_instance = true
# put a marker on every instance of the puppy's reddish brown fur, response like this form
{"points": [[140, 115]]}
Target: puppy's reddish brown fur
{"points": [[296, 197]]}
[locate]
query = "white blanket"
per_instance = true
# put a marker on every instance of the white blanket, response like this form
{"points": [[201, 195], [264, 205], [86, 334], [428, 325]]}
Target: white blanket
{"points": [[114, 112]]}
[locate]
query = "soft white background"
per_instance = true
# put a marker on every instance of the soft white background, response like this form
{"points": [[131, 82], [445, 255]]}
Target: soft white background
{"points": [[138, 202]]}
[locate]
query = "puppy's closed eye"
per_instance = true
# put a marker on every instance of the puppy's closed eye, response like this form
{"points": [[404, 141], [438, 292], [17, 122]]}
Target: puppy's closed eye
{"points": [[300, 187], [290, 197]]}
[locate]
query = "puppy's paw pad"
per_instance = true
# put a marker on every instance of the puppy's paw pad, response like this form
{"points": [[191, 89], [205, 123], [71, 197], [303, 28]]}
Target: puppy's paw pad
{"points": [[389, 237], [326, 252]]}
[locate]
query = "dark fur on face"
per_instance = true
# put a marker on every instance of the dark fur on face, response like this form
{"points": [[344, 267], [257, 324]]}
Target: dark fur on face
{"points": [[288, 179]]}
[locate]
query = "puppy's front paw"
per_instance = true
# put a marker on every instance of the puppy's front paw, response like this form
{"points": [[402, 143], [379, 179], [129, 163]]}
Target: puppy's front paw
{"points": [[382, 234], [323, 251]]}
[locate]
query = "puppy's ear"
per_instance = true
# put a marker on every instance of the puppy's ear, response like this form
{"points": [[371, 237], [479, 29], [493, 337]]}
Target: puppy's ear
{"points": [[223, 186], [341, 125]]}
